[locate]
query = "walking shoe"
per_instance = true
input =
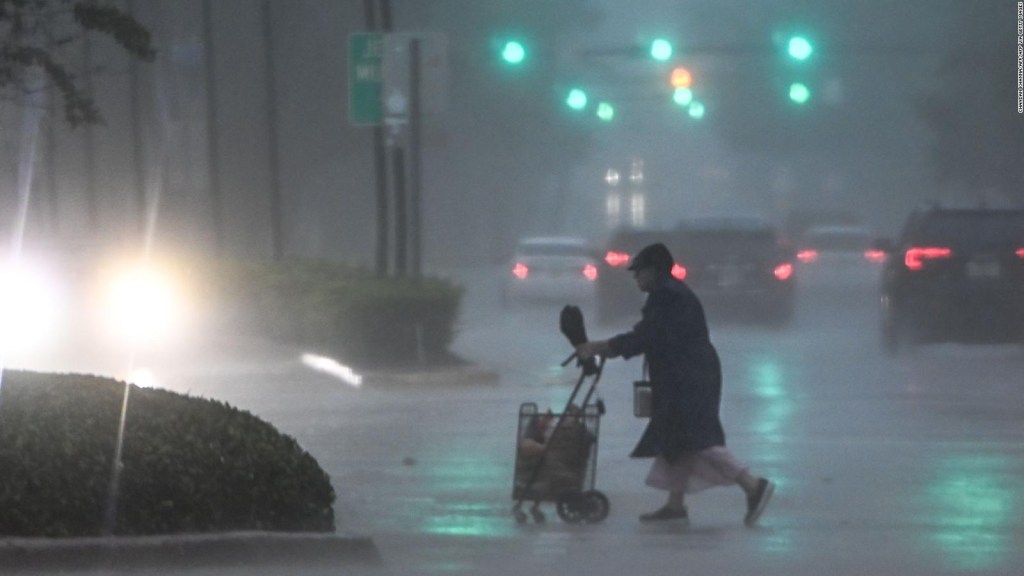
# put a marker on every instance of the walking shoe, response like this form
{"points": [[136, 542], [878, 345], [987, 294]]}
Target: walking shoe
{"points": [[665, 513], [757, 501]]}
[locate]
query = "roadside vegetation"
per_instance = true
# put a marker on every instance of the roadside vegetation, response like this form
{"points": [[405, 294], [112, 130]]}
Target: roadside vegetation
{"points": [[336, 309], [189, 465]]}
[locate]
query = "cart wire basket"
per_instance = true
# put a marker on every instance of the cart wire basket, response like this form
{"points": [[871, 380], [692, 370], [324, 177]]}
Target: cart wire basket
{"points": [[556, 458]]}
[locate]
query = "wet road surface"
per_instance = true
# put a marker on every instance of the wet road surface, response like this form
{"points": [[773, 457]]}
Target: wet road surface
{"points": [[907, 465]]}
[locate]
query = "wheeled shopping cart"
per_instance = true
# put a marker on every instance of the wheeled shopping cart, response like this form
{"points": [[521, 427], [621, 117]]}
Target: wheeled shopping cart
{"points": [[556, 457]]}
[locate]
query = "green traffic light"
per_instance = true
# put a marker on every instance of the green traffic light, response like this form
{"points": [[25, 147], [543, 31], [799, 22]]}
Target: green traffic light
{"points": [[605, 111], [682, 96], [799, 93], [696, 110], [661, 49], [577, 99], [799, 48], [513, 52]]}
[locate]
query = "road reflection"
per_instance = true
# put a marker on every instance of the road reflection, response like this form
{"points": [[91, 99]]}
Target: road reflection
{"points": [[975, 500], [769, 382], [460, 509]]}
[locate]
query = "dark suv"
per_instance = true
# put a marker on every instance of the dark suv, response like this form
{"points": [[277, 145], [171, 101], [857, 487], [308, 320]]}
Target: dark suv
{"points": [[617, 294], [739, 267], [955, 274]]}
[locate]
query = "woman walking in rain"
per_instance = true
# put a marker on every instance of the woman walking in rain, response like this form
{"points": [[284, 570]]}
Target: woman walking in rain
{"points": [[684, 436]]}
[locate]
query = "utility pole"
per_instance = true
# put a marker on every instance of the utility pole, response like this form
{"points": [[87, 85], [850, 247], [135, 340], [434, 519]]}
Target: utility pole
{"points": [[276, 205], [380, 152], [92, 202], [415, 161], [138, 161], [212, 132]]}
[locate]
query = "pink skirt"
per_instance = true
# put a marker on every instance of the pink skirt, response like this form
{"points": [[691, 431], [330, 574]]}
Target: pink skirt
{"points": [[715, 466]]}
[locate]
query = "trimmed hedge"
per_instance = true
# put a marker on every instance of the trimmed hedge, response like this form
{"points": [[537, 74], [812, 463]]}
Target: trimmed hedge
{"points": [[189, 464], [367, 320]]}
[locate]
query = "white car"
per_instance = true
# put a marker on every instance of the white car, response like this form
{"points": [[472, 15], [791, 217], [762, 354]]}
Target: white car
{"points": [[552, 269]]}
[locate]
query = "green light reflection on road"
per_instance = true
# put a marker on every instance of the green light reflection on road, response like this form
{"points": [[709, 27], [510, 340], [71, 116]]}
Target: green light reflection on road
{"points": [[468, 477], [771, 422], [975, 499], [470, 525], [775, 404]]}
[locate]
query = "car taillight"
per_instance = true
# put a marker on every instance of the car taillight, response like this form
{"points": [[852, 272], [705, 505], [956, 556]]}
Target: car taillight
{"points": [[874, 255], [807, 255], [783, 271], [520, 271], [915, 257], [679, 271], [590, 272], [616, 259], [1020, 253]]}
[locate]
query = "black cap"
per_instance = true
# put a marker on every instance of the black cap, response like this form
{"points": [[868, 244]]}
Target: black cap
{"points": [[656, 256]]}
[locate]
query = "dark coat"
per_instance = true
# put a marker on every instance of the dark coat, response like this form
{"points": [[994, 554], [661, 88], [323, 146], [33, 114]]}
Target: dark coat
{"points": [[684, 370]]}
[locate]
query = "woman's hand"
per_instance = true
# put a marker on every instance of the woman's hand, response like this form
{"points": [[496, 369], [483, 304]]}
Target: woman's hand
{"points": [[592, 348]]}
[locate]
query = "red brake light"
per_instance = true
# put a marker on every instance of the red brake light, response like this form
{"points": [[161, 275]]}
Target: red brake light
{"points": [[616, 259], [520, 270], [590, 272], [784, 271], [915, 257], [808, 255], [1020, 253], [874, 255], [679, 271]]}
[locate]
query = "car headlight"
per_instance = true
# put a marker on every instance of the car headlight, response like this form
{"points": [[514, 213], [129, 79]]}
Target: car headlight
{"points": [[30, 307], [142, 305]]}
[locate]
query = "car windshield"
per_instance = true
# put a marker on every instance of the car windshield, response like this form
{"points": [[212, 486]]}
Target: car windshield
{"points": [[633, 241], [555, 249], [727, 243], [837, 240], [971, 229]]}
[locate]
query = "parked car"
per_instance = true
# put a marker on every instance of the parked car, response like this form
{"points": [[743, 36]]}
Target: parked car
{"points": [[617, 294], [955, 274], [551, 269], [738, 266]]}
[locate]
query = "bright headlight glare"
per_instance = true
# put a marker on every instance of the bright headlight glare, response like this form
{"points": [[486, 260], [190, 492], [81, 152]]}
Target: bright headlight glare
{"points": [[30, 306], [142, 304]]}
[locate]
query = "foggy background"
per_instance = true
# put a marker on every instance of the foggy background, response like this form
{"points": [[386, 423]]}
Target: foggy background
{"points": [[506, 157]]}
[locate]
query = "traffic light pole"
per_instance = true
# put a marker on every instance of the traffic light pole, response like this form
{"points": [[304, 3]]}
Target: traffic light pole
{"points": [[403, 104], [380, 153], [415, 159]]}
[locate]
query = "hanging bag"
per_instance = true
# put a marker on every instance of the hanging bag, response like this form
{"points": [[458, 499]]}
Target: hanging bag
{"points": [[642, 394]]}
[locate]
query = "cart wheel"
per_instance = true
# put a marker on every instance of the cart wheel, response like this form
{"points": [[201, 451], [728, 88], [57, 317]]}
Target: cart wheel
{"points": [[538, 516], [570, 508], [595, 506]]}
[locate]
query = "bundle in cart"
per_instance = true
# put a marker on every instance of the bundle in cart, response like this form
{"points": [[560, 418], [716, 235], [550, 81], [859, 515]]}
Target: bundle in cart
{"points": [[556, 460], [556, 454]]}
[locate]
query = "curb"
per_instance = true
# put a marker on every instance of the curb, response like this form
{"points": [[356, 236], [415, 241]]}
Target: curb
{"points": [[461, 376], [187, 551]]}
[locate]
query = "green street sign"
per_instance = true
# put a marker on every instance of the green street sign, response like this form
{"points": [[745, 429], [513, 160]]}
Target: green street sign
{"points": [[365, 63]]}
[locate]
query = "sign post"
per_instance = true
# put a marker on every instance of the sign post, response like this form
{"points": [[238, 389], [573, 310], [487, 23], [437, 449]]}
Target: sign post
{"points": [[365, 76]]}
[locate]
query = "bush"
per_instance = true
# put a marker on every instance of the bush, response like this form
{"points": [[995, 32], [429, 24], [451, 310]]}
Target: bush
{"points": [[367, 320], [377, 321], [189, 464]]}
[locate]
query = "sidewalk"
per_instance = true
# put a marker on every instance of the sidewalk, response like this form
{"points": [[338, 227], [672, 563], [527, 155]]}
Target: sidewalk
{"points": [[468, 374], [186, 551]]}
